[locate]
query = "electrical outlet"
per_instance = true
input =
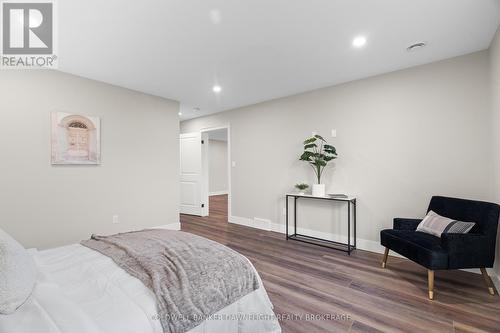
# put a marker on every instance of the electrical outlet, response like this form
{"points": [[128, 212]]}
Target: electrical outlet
{"points": [[233, 164], [116, 219]]}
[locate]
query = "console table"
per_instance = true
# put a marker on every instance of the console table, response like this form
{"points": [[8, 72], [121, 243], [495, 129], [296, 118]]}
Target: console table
{"points": [[345, 247]]}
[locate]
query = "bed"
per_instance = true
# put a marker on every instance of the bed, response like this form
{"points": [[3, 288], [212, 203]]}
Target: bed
{"points": [[80, 290]]}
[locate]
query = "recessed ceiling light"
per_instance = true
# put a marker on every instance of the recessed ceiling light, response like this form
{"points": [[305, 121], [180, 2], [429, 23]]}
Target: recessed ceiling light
{"points": [[416, 46], [359, 41], [180, 113], [215, 16], [217, 89]]}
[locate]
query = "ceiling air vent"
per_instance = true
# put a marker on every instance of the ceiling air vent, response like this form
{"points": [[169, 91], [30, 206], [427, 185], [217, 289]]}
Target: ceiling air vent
{"points": [[416, 46]]}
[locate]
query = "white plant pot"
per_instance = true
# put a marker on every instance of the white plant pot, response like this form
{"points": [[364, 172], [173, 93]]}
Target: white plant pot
{"points": [[318, 190]]}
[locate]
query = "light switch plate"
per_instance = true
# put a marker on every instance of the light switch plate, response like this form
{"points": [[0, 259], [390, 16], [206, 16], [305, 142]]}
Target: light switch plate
{"points": [[334, 133]]}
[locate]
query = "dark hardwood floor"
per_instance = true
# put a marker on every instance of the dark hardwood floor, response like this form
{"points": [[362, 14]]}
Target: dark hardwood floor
{"points": [[357, 294]]}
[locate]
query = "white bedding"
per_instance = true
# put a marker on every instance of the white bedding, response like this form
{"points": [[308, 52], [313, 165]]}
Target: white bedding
{"points": [[78, 290]]}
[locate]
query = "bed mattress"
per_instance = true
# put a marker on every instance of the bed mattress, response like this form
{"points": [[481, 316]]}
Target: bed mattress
{"points": [[81, 290]]}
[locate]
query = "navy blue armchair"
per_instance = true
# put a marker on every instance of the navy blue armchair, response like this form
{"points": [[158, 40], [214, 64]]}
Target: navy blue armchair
{"points": [[475, 249]]}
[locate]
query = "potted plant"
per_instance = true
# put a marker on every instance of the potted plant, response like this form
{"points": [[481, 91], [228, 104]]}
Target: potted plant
{"points": [[301, 187], [318, 153]]}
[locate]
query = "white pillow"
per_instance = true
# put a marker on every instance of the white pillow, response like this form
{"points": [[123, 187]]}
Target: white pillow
{"points": [[17, 274], [436, 225]]}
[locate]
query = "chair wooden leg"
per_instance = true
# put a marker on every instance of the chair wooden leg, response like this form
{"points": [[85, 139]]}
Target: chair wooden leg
{"points": [[488, 281], [430, 278], [384, 260]]}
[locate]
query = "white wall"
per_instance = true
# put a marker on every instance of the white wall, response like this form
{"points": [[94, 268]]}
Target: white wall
{"points": [[217, 167], [43, 205], [401, 137], [495, 85]]}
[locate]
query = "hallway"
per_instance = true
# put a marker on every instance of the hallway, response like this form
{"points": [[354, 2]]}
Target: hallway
{"points": [[217, 212]]}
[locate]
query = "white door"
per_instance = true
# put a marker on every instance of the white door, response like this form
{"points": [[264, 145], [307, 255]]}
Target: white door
{"points": [[191, 175]]}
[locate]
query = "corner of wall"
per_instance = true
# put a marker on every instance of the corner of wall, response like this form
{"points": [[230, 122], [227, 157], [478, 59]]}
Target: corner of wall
{"points": [[494, 57]]}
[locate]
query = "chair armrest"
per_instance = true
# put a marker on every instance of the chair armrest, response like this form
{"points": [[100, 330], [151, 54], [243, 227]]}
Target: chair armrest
{"points": [[466, 244], [406, 224]]}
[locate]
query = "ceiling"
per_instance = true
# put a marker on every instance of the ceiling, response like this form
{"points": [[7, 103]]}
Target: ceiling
{"points": [[258, 50]]}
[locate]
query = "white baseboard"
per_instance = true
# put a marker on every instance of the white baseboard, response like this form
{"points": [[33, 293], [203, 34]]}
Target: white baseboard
{"points": [[496, 280], [171, 226], [218, 193], [362, 244], [256, 223], [265, 224]]}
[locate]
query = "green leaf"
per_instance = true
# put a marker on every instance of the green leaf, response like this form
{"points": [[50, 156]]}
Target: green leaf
{"points": [[310, 140], [320, 162], [330, 149], [306, 156], [319, 137], [311, 145], [329, 152]]}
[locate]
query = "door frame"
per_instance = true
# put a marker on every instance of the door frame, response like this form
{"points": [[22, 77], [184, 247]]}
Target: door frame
{"points": [[229, 164]]}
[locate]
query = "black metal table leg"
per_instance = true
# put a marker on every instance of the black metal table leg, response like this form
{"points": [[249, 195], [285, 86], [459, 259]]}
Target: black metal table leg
{"points": [[295, 216], [286, 227], [354, 207], [349, 228]]}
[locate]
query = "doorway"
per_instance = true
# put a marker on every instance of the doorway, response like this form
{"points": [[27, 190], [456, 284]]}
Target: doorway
{"points": [[218, 171], [205, 173]]}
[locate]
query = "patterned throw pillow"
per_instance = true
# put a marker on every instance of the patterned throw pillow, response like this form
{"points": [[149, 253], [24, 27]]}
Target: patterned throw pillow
{"points": [[436, 224]]}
